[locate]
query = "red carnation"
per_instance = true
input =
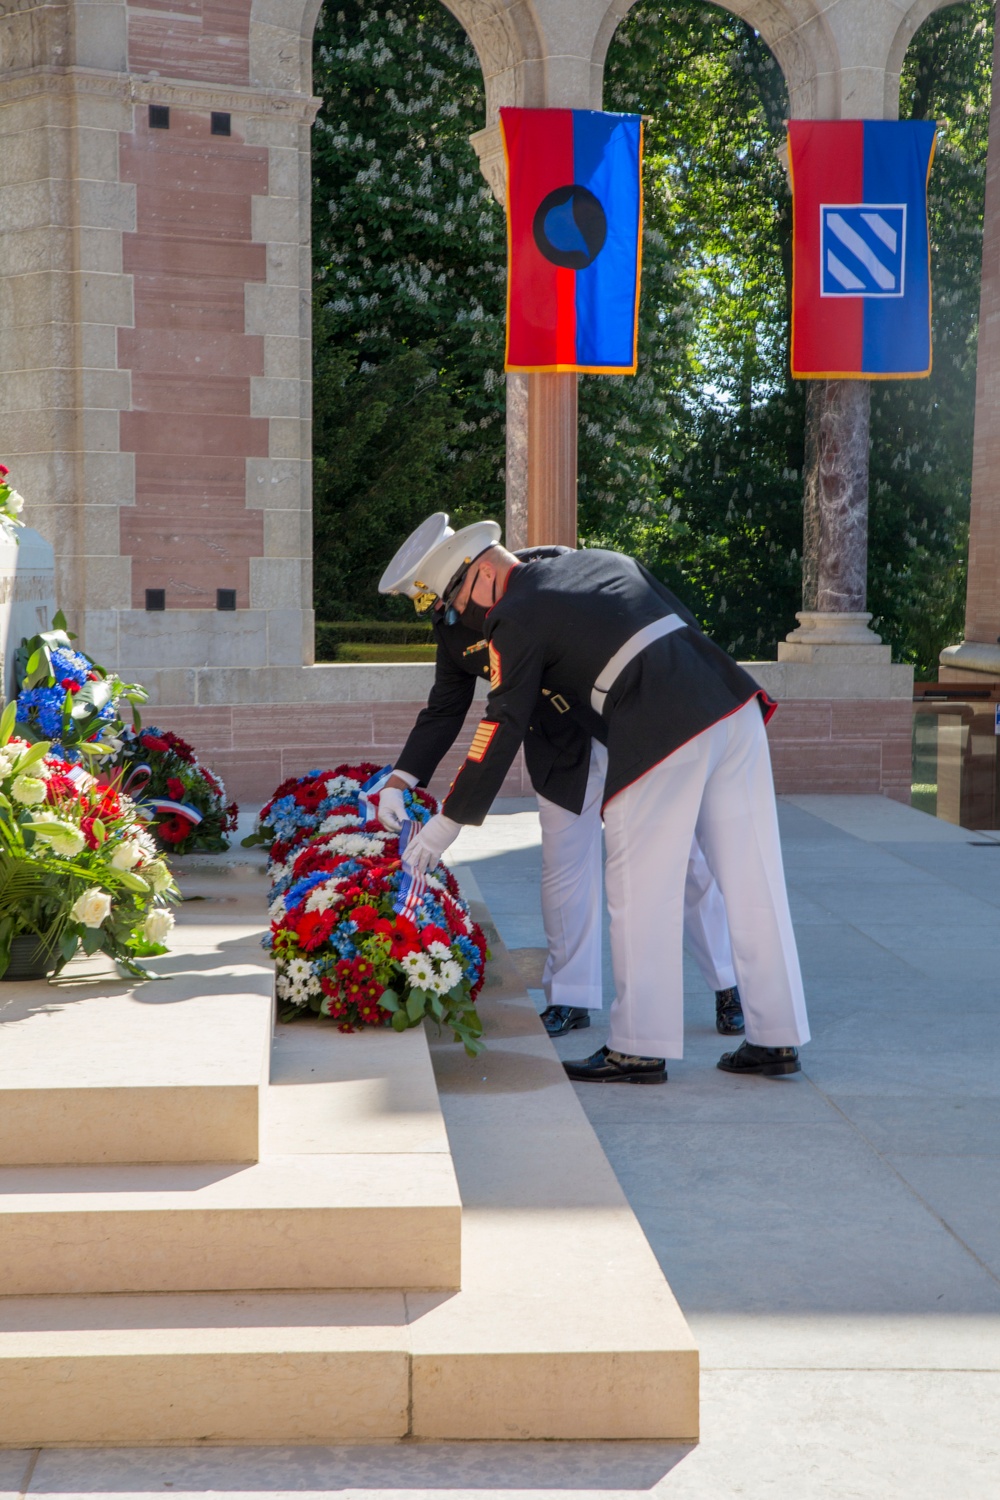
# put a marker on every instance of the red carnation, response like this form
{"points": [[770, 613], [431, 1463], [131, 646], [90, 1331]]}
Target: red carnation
{"points": [[175, 788], [153, 742], [70, 685], [432, 934], [365, 917], [4, 471]]}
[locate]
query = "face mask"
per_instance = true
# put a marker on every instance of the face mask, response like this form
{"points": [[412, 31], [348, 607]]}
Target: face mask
{"points": [[473, 617]]}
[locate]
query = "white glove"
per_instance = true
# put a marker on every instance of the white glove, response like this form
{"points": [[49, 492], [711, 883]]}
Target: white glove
{"points": [[392, 812], [425, 848]]}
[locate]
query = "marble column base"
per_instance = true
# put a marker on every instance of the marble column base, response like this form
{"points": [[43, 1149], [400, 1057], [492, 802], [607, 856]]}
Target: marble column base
{"points": [[827, 636], [978, 657]]}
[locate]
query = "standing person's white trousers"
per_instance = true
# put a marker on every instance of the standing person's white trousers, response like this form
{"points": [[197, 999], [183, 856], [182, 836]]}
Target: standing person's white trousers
{"points": [[718, 787], [571, 902]]}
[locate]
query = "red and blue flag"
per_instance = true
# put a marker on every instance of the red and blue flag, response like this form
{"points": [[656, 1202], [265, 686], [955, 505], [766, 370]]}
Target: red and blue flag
{"points": [[861, 279], [574, 239]]}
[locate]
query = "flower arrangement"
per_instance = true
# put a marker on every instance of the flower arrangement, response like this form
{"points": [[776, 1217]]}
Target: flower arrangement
{"points": [[355, 935], [76, 705], [77, 864], [69, 700], [188, 799], [11, 505]]}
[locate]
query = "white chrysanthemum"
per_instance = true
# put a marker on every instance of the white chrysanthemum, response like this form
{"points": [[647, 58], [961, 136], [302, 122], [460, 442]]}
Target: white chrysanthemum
{"points": [[322, 897], [298, 994], [276, 910], [298, 968], [276, 872], [419, 970], [337, 821], [62, 837], [28, 790], [450, 974], [283, 985], [439, 950], [340, 786]]}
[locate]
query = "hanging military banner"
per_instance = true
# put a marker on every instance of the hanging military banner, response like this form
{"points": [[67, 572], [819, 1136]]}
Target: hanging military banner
{"points": [[574, 239], [861, 283]]}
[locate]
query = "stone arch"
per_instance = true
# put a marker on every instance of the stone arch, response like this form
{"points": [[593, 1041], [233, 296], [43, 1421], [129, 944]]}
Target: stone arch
{"points": [[796, 31], [907, 29], [281, 39]]}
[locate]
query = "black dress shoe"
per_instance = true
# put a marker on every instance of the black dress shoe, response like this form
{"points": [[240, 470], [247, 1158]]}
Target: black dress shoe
{"points": [[558, 1019], [728, 1012], [607, 1066], [770, 1061]]}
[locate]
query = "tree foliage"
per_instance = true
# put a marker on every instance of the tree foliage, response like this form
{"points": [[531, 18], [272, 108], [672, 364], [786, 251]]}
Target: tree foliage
{"points": [[695, 465]]}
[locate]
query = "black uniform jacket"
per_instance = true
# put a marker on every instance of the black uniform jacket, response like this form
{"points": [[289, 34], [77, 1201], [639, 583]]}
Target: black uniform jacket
{"points": [[559, 622], [557, 744]]}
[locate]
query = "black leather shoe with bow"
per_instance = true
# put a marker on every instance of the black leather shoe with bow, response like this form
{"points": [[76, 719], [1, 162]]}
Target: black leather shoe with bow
{"points": [[607, 1066], [728, 1012], [768, 1061], [558, 1019]]}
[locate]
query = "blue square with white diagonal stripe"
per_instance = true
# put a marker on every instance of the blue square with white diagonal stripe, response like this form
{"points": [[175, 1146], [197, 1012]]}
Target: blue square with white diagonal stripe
{"points": [[863, 247]]}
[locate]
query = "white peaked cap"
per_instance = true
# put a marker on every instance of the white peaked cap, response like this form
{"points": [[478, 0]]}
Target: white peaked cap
{"points": [[431, 556]]}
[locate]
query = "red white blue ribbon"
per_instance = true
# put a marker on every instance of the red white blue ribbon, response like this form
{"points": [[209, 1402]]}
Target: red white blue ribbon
{"points": [[162, 805], [411, 883], [374, 784]]}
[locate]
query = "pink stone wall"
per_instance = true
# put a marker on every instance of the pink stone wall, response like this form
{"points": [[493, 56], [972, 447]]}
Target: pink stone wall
{"points": [[816, 746], [205, 40], [190, 425], [824, 745]]}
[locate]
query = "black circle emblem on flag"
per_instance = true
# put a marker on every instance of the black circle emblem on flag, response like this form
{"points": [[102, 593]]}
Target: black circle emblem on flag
{"points": [[570, 227]]}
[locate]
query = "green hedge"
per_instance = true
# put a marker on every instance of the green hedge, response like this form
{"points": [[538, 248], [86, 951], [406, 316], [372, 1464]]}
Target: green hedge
{"points": [[332, 634]]}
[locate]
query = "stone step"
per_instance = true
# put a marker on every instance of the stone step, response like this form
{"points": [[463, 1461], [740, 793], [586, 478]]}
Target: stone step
{"points": [[97, 1069], [346, 1220], [564, 1327]]}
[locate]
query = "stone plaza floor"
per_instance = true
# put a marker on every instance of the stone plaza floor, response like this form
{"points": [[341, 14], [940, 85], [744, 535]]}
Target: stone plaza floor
{"points": [[833, 1238]]}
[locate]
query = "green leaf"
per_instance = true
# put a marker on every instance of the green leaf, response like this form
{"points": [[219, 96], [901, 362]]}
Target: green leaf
{"points": [[37, 752], [93, 938], [399, 1021], [7, 721], [416, 1005], [68, 944], [131, 881], [389, 1000], [59, 623]]}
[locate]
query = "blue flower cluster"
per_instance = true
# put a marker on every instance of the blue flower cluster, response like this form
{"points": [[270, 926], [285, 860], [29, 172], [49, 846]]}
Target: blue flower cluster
{"points": [[470, 954], [42, 707]]}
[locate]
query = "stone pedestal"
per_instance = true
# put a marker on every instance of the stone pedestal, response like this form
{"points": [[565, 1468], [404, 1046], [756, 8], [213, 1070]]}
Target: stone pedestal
{"points": [[27, 595]]}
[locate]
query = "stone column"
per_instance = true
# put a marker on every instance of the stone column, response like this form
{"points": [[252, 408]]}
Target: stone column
{"points": [[980, 651], [835, 531], [516, 519], [552, 447]]}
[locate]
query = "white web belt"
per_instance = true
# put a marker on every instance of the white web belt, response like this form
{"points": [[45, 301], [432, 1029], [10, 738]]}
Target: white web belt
{"points": [[635, 643]]}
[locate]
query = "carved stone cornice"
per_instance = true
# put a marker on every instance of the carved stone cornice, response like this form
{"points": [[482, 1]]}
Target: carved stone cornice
{"points": [[127, 88]]}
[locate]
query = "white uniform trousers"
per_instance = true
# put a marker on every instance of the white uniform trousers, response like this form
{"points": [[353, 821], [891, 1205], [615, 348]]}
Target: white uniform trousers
{"points": [[718, 786], [571, 902]]}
